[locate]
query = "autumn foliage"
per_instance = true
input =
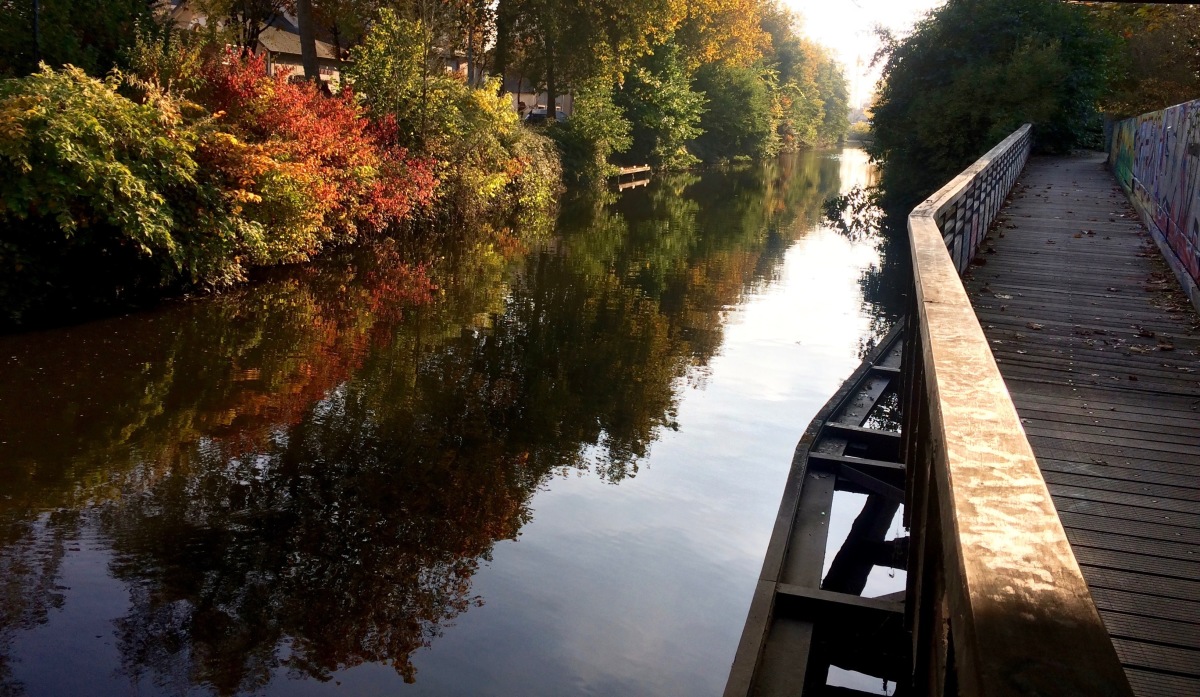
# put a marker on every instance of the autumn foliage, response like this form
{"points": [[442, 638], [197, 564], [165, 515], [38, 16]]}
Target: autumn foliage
{"points": [[348, 173], [112, 190]]}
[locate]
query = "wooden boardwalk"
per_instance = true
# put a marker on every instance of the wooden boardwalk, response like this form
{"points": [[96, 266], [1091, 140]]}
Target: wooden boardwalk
{"points": [[1101, 353]]}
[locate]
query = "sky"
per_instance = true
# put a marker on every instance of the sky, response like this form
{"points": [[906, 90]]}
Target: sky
{"points": [[846, 27]]}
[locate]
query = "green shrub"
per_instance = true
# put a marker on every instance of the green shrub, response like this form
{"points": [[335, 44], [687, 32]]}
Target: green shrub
{"points": [[103, 192], [536, 183], [662, 109], [595, 131], [739, 119], [487, 164]]}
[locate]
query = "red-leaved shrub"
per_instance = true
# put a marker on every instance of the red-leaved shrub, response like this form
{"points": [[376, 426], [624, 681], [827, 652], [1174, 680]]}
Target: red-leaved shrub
{"points": [[337, 176]]}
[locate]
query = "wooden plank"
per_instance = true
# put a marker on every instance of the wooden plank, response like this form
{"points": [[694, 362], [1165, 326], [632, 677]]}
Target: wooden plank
{"points": [[832, 463], [1163, 587], [1066, 476], [754, 638], [784, 664], [1128, 543], [1117, 466], [1133, 513], [1132, 528], [1154, 684], [1144, 655], [881, 445], [1065, 491], [1140, 562], [1184, 635], [1115, 600], [829, 603]]}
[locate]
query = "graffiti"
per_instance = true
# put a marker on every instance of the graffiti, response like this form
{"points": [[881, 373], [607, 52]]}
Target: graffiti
{"points": [[1156, 157]]}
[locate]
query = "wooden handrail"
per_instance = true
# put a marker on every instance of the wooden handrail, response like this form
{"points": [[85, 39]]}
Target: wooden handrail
{"points": [[998, 604]]}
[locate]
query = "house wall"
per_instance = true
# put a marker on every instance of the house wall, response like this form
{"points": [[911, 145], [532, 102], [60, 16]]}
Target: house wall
{"points": [[330, 71]]}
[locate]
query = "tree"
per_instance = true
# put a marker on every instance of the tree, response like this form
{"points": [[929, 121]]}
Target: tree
{"points": [[1159, 58], [971, 73], [308, 40], [663, 109], [248, 18], [595, 131], [89, 34], [835, 93], [564, 43], [728, 31], [738, 119]]}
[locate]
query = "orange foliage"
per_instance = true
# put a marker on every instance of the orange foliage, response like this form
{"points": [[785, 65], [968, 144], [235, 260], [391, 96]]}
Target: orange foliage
{"points": [[331, 175]]}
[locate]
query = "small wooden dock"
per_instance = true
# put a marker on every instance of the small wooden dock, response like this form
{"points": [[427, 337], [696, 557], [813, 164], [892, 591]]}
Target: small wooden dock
{"points": [[629, 177], [1101, 353]]}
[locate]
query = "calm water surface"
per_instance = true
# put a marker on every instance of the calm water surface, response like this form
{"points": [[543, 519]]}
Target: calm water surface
{"points": [[539, 472]]}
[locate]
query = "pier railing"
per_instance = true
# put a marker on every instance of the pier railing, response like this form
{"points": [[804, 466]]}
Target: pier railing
{"points": [[997, 603]]}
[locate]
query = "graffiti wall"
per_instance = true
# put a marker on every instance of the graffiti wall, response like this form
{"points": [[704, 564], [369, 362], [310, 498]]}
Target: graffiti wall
{"points": [[1156, 157]]}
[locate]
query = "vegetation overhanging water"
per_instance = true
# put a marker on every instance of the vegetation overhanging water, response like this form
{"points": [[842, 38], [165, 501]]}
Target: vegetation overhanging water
{"points": [[319, 478]]}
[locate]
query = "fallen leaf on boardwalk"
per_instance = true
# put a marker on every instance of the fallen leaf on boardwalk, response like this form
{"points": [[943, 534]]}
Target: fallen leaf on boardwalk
{"points": [[1142, 331], [1133, 377], [1165, 346], [1113, 290], [1077, 235], [1003, 296], [1051, 242], [1035, 325]]}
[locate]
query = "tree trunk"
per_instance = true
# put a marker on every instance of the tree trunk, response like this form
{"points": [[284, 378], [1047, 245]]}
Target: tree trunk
{"points": [[308, 40], [503, 31], [551, 88]]}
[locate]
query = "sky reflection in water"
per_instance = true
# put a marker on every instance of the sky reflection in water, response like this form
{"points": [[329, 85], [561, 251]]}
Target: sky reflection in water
{"points": [[539, 474]]}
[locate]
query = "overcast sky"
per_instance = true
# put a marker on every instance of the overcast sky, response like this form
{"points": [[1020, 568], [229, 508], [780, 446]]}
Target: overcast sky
{"points": [[845, 26]]}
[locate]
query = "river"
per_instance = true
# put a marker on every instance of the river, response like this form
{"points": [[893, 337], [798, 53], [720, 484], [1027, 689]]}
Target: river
{"points": [[548, 469]]}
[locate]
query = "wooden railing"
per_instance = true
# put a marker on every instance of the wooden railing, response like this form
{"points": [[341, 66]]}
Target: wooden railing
{"points": [[997, 603]]}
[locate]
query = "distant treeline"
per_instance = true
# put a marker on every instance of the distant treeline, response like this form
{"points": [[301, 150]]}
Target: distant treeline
{"points": [[973, 71]]}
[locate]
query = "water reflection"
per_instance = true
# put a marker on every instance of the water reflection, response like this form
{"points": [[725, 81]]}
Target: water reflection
{"points": [[306, 476]]}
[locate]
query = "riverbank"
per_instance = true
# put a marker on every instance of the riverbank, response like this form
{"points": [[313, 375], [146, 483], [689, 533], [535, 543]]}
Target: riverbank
{"points": [[117, 192]]}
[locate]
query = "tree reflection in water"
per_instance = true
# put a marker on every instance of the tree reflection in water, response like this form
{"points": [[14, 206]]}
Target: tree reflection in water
{"points": [[306, 474]]}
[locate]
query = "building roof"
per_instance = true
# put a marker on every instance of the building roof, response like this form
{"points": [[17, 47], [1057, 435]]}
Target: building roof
{"points": [[278, 40]]}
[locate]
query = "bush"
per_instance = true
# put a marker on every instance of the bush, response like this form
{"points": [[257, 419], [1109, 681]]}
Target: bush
{"points": [[488, 164], [107, 194], [662, 109], [332, 176], [739, 119], [595, 131], [105, 199]]}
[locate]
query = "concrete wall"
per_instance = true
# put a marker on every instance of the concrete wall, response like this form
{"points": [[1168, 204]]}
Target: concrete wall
{"points": [[1156, 158]]}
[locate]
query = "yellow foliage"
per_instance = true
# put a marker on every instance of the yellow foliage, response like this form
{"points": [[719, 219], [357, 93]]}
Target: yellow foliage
{"points": [[728, 31]]}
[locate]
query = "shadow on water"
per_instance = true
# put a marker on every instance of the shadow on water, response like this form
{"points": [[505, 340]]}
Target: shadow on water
{"points": [[305, 475]]}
